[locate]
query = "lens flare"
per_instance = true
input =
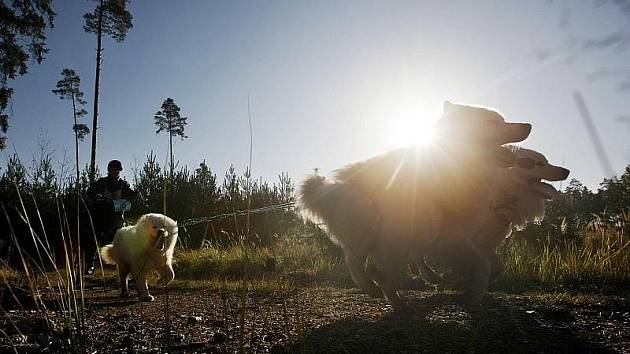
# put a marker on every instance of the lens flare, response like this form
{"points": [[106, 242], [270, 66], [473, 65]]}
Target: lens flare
{"points": [[408, 130]]}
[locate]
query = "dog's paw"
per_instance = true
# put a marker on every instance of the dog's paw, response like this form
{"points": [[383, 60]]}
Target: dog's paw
{"points": [[148, 298], [401, 308], [375, 292], [163, 282], [471, 302]]}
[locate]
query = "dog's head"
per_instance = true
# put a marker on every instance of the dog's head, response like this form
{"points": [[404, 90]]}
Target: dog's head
{"points": [[478, 126], [157, 227], [531, 167]]}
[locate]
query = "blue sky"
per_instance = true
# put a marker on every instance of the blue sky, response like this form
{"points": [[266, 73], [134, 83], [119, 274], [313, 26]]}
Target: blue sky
{"points": [[332, 82]]}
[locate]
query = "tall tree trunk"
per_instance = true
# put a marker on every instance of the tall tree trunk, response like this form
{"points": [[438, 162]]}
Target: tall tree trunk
{"points": [[99, 45], [76, 183], [171, 153], [76, 141], [170, 145]]}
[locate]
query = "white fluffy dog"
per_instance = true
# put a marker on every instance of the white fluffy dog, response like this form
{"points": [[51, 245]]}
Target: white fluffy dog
{"points": [[518, 199], [396, 205], [148, 245]]}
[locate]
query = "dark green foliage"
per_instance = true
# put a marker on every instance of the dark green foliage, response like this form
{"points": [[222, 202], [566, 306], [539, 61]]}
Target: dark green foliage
{"points": [[29, 189], [581, 209], [170, 121], [23, 26], [69, 88], [198, 192], [44, 183], [150, 185], [204, 185], [80, 129], [115, 19], [110, 17], [194, 194]]}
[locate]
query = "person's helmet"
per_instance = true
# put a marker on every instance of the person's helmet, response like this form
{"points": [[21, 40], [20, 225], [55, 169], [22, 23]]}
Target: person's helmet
{"points": [[114, 164]]}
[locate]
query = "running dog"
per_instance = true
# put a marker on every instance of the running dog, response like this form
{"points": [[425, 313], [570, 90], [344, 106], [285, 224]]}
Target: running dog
{"points": [[139, 249], [394, 206], [519, 199]]}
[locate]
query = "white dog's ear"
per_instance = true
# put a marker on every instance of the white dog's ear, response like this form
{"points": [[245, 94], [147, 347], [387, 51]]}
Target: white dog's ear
{"points": [[448, 106]]}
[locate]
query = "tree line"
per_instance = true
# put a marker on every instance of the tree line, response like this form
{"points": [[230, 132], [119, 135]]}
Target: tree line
{"points": [[45, 198], [583, 211], [39, 203]]}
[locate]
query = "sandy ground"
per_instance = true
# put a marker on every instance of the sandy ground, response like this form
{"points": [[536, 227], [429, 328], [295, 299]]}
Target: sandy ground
{"points": [[323, 320]]}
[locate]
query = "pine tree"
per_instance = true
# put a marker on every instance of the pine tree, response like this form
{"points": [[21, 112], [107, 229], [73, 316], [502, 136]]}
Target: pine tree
{"points": [[68, 88], [109, 17], [170, 121], [22, 37]]}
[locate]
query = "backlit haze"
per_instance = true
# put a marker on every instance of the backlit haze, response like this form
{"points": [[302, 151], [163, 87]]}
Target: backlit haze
{"points": [[332, 82]]}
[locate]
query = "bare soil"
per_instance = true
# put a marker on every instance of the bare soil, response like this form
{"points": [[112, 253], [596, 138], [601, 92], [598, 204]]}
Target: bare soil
{"points": [[321, 320]]}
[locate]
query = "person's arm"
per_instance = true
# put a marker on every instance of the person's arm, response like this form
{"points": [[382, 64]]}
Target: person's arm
{"points": [[95, 189], [127, 192]]}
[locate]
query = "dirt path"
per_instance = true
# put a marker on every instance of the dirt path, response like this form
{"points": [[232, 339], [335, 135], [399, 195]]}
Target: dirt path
{"points": [[328, 320]]}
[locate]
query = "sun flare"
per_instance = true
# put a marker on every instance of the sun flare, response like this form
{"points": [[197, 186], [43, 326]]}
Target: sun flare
{"points": [[412, 128]]}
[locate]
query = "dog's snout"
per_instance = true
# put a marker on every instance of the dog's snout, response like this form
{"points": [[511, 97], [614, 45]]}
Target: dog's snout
{"points": [[565, 173], [516, 132], [557, 173], [524, 129], [162, 233]]}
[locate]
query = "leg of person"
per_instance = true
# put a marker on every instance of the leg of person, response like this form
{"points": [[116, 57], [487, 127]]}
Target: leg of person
{"points": [[91, 252], [114, 222], [88, 258], [106, 229]]}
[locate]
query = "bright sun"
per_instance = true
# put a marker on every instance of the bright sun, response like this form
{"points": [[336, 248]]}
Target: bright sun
{"points": [[412, 128]]}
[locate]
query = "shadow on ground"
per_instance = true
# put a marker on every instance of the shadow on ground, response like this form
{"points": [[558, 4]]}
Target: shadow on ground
{"points": [[440, 325]]}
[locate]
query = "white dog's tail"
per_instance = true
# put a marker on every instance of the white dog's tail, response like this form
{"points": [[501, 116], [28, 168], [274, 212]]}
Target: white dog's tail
{"points": [[109, 255], [312, 195], [334, 203]]}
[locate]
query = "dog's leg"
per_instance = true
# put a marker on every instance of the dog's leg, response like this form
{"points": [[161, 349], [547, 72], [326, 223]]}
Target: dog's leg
{"points": [[475, 263], [496, 267], [452, 279], [427, 272], [123, 273], [140, 281], [389, 270], [389, 289], [360, 277]]}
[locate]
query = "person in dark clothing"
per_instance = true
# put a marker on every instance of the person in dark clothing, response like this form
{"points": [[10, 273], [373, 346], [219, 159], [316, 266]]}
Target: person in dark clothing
{"points": [[110, 197]]}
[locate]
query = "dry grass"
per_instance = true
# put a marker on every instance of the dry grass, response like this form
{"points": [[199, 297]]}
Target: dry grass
{"points": [[599, 261], [292, 260]]}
